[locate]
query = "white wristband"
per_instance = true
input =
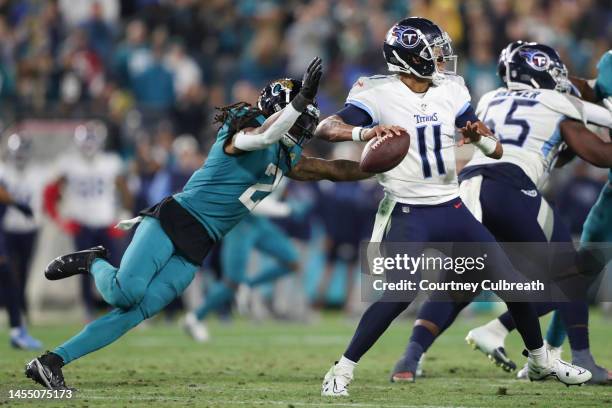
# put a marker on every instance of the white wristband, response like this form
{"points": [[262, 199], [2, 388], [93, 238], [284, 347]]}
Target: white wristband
{"points": [[356, 134], [486, 144]]}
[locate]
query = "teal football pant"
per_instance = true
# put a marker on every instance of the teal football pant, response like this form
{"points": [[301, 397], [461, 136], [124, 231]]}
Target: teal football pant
{"points": [[150, 276], [597, 228]]}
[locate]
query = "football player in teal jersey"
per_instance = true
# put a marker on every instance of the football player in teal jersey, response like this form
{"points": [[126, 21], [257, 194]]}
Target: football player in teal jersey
{"points": [[252, 152]]}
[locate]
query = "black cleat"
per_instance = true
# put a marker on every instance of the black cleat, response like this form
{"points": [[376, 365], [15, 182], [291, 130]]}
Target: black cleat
{"points": [[46, 370], [501, 359], [74, 263]]}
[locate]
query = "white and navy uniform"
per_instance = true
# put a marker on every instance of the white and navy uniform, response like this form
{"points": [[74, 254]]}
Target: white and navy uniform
{"points": [[90, 198], [427, 175], [422, 192], [422, 201], [527, 124], [25, 184], [90, 192]]}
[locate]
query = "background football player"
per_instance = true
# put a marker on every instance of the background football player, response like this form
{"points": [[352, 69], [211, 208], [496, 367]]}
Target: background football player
{"points": [[422, 196], [24, 179], [9, 287], [89, 181], [534, 116]]}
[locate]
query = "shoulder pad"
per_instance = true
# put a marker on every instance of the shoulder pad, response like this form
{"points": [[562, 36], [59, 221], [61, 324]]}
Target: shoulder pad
{"points": [[485, 99], [454, 79], [368, 83]]}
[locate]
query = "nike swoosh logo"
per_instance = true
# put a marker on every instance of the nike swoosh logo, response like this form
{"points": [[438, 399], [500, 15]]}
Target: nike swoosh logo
{"points": [[335, 390]]}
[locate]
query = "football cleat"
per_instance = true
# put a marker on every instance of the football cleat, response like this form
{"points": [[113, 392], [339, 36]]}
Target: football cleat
{"points": [[554, 352], [336, 382], [195, 329], [492, 345], [22, 340], [46, 370], [74, 263], [563, 371]]}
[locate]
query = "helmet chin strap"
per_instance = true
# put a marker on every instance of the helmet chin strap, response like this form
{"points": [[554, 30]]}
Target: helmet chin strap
{"points": [[407, 68]]}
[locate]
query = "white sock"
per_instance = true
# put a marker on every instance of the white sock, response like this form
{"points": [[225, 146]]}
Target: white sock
{"points": [[496, 327], [539, 356], [15, 331], [347, 364]]}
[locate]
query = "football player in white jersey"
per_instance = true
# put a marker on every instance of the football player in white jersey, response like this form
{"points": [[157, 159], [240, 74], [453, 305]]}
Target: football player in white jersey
{"points": [[24, 180], [92, 189], [533, 115], [422, 201]]}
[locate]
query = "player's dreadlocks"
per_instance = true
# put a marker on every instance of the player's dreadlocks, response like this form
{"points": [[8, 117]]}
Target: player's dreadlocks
{"points": [[236, 120], [237, 116]]}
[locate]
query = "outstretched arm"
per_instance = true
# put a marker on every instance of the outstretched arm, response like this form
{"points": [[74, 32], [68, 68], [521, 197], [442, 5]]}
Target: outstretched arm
{"points": [[348, 124], [313, 169], [586, 144], [480, 135], [281, 122]]}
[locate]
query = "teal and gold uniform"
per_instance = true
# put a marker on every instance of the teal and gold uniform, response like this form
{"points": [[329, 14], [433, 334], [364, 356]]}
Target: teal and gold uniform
{"points": [[227, 188], [152, 271]]}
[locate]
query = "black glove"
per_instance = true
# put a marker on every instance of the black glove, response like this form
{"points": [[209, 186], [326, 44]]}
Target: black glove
{"points": [[310, 85], [24, 209], [312, 76]]}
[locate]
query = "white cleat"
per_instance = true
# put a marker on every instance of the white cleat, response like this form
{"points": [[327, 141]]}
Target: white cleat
{"points": [[195, 328], [336, 382], [554, 353], [563, 371], [492, 345]]}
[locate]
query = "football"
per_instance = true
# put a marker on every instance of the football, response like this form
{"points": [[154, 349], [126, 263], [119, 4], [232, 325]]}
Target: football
{"points": [[383, 153]]}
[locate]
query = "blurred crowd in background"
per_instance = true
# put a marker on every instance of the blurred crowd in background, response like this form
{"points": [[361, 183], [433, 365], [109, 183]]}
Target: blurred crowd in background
{"points": [[150, 72]]}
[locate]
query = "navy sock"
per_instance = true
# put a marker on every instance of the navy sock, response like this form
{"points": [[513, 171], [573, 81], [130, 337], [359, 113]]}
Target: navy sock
{"points": [[575, 316], [527, 323], [372, 325]]}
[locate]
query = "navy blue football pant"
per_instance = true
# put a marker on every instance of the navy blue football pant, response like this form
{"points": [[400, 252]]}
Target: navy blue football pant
{"points": [[446, 222], [8, 287], [516, 215], [20, 246]]}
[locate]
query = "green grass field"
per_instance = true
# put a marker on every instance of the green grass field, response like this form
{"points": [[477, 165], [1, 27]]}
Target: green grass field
{"points": [[275, 364]]}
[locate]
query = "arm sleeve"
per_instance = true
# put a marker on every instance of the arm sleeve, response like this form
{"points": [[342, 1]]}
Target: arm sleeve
{"points": [[363, 96], [468, 115], [249, 142], [597, 115], [355, 116]]}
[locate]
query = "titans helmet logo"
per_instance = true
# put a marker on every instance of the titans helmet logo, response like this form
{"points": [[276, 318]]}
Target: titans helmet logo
{"points": [[408, 37], [536, 59]]}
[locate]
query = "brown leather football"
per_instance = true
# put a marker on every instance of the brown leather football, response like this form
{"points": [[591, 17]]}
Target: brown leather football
{"points": [[383, 153]]}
